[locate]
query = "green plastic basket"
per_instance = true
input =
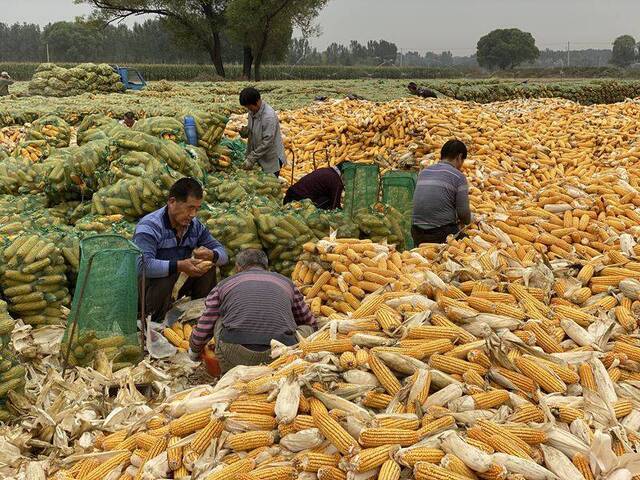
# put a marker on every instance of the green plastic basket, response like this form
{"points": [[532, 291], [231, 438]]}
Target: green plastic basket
{"points": [[397, 191], [361, 187]]}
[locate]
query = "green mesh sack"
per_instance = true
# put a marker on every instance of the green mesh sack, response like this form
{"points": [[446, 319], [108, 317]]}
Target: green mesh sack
{"points": [[105, 303], [397, 192], [97, 127], [167, 128], [51, 129], [237, 149], [381, 223], [360, 187]]}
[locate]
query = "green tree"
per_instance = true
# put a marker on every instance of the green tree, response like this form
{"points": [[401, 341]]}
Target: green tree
{"points": [[264, 27], [624, 51], [506, 48], [201, 21], [72, 41]]}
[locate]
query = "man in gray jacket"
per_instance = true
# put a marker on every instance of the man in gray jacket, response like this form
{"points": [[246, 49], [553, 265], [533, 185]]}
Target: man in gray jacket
{"points": [[5, 81], [264, 143]]}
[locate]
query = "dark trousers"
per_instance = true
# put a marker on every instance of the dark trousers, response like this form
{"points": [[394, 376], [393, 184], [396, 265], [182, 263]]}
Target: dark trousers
{"points": [[434, 235], [158, 292]]}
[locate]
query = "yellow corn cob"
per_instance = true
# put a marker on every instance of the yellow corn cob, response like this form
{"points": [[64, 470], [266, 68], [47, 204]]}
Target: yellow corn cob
{"points": [[431, 426], [174, 454], [428, 471], [144, 440], [203, 438], [530, 435], [632, 352], [455, 465], [190, 423], [581, 462], [112, 440], [376, 400], [348, 361], [285, 429], [156, 449], [494, 429], [626, 318], [442, 321], [303, 422], [387, 318], [181, 473], [623, 407], [543, 377], [331, 429], [495, 472], [107, 466], [257, 421], [428, 332], [473, 378], [272, 473], [231, 471], [565, 373], [368, 306], [398, 422], [370, 458], [314, 461], [171, 335], [331, 473], [587, 378], [527, 413], [389, 470], [384, 375], [501, 444], [585, 273], [86, 467], [156, 422], [520, 381], [362, 357], [315, 288], [247, 406], [490, 399], [543, 339], [569, 414], [333, 346], [411, 456], [449, 364], [479, 357], [250, 440], [481, 445], [376, 437]]}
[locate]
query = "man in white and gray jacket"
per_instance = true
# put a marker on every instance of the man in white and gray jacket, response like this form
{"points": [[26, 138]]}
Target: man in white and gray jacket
{"points": [[264, 143]]}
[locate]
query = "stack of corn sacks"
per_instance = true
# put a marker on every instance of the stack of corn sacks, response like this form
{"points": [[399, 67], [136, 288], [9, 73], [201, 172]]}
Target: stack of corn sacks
{"points": [[11, 373], [167, 128], [53, 81]]}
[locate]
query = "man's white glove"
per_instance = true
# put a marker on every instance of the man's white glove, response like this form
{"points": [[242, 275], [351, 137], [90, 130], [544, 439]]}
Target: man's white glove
{"points": [[195, 356]]}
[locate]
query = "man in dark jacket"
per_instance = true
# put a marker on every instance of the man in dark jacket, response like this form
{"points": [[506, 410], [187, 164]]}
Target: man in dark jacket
{"points": [[421, 91], [5, 81], [323, 187]]}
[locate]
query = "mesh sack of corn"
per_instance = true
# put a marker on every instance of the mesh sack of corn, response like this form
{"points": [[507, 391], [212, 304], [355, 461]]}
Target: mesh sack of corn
{"points": [[52, 129], [103, 224], [20, 176], [235, 227], [324, 222], [97, 127], [397, 192], [33, 150], [3, 154], [381, 223], [360, 187], [12, 373], [34, 280], [221, 188], [282, 234], [130, 197], [171, 153], [205, 122], [55, 81], [74, 173], [167, 128], [103, 317]]}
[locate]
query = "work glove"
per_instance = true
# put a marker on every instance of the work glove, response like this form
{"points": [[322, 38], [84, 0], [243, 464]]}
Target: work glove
{"points": [[247, 165], [195, 356]]}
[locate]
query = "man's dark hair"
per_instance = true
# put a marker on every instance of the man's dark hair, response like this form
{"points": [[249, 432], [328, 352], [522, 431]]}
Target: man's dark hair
{"points": [[184, 188], [452, 149], [249, 96], [412, 85], [129, 115]]}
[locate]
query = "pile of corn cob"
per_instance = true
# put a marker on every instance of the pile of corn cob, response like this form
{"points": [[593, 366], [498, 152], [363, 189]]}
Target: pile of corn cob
{"points": [[536, 140], [487, 365]]}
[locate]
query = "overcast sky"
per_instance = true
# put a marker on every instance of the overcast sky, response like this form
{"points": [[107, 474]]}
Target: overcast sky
{"points": [[423, 25]]}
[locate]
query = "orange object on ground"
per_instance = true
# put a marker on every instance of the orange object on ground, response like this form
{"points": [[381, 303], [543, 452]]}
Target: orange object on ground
{"points": [[210, 361]]}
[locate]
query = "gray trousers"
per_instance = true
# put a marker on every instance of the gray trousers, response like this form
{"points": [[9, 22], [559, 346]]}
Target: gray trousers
{"points": [[233, 354]]}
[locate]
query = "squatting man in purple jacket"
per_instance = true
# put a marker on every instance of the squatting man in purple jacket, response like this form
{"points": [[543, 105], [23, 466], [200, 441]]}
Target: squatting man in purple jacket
{"points": [[171, 239], [246, 311]]}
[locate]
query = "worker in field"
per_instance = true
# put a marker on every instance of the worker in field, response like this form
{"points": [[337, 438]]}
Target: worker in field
{"points": [[441, 198], [246, 311], [5, 81], [264, 141], [174, 241], [129, 120], [323, 187], [421, 91]]}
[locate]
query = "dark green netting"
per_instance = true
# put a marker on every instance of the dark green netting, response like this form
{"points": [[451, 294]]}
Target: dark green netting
{"points": [[397, 191], [105, 303], [360, 187]]}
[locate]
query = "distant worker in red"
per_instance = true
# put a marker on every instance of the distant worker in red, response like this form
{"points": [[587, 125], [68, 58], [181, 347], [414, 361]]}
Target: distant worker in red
{"points": [[323, 187], [421, 91]]}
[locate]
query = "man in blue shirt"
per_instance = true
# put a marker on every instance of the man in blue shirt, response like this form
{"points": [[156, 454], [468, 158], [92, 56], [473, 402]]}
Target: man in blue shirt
{"points": [[173, 241]]}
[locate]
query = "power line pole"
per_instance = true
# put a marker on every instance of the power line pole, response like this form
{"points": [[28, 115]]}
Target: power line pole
{"points": [[568, 54], [47, 53]]}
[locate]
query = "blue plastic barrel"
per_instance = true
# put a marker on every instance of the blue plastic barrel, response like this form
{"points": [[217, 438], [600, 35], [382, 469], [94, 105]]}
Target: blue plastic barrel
{"points": [[190, 130]]}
